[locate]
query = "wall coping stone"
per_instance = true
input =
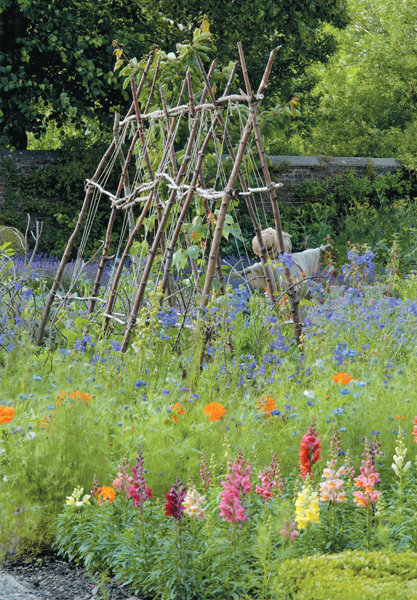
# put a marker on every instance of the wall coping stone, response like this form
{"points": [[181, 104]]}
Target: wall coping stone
{"points": [[36, 156], [334, 161]]}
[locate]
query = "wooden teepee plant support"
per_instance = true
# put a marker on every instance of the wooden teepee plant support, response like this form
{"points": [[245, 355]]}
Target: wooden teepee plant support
{"points": [[185, 182]]}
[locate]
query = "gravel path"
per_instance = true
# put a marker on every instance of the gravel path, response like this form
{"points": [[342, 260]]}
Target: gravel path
{"points": [[11, 589], [48, 577]]}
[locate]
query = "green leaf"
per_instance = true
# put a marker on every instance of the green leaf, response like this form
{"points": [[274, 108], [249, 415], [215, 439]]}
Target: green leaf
{"points": [[193, 251]]}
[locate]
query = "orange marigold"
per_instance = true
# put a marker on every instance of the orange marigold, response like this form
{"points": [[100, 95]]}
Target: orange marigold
{"points": [[214, 410], [106, 493], [177, 409], [343, 378], [6, 414], [266, 404]]}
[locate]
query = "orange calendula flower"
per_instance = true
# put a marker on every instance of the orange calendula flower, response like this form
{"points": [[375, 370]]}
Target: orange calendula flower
{"points": [[106, 494], [6, 414], [80, 396], [343, 378], [266, 404], [177, 409], [214, 410]]}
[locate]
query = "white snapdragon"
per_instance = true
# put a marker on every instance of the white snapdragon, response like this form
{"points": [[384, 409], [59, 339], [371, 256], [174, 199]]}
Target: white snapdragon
{"points": [[398, 465], [77, 498], [193, 504]]}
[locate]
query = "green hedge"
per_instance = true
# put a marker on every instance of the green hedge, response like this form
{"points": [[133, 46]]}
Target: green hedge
{"points": [[55, 195], [348, 576]]}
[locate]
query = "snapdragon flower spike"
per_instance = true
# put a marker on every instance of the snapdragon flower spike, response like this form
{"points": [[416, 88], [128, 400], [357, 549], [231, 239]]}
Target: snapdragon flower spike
{"points": [[276, 474], [96, 487], [398, 465], [193, 503], [204, 472], [415, 429], [289, 531], [267, 485], [331, 490], [123, 482], [366, 481], [138, 490], [310, 451], [174, 506], [335, 444], [236, 486]]}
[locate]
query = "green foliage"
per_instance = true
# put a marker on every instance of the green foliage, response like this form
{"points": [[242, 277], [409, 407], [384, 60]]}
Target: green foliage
{"points": [[261, 26], [363, 103], [60, 54], [351, 209], [349, 575], [55, 195], [14, 238]]}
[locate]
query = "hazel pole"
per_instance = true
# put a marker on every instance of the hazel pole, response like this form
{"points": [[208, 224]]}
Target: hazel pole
{"points": [[107, 240], [295, 313], [70, 243], [141, 218], [248, 202], [148, 266], [190, 192]]}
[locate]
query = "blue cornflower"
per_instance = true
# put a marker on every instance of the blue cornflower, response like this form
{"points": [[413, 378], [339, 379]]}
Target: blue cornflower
{"points": [[139, 383]]}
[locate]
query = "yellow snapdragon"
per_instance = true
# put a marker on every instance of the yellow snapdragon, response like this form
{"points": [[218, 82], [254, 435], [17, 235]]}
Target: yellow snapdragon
{"points": [[307, 509]]}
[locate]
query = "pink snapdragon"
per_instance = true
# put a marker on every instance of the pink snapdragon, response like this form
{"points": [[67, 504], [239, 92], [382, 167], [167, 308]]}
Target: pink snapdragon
{"points": [[138, 490], [271, 480], [123, 482], [366, 481], [331, 490], [236, 486], [289, 531], [267, 485]]}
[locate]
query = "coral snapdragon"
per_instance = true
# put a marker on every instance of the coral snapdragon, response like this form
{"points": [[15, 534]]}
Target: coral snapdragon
{"points": [[366, 481]]}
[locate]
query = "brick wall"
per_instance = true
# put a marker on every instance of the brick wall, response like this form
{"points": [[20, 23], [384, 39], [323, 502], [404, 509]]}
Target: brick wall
{"points": [[25, 161], [290, 170]]}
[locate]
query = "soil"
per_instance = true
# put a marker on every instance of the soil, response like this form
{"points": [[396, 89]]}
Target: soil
{"points": [[49, 577]]}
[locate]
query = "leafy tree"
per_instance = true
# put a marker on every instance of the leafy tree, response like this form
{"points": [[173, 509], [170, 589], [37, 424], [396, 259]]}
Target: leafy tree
{"points": [[56, 55], [365, 100], [263, 24], [59, 52]]}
